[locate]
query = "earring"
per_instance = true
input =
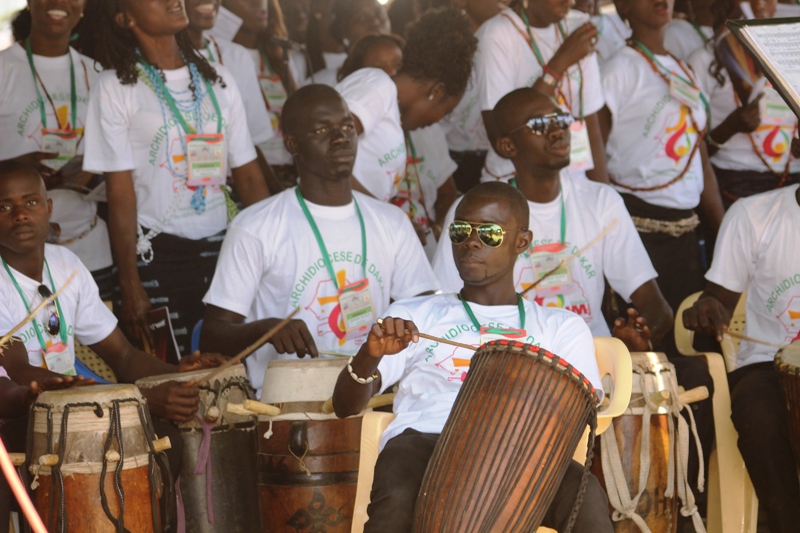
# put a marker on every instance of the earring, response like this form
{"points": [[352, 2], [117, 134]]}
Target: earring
{"points": [[430, 97], [525, 4]]}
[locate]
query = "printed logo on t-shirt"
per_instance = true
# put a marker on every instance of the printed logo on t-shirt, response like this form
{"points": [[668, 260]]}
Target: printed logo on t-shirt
{"points": [[681, 137], [62, 118], [408, 195], [776, 143], [790, 320]]}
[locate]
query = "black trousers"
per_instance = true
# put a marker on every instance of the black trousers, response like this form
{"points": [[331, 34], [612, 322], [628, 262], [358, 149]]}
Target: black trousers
{"points": [[760, 416], [400, 469]]}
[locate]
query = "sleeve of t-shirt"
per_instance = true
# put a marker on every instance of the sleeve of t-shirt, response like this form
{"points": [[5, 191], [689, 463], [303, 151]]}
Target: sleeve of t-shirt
{"points": [[495, 62], [735, 253], [614, 80], [593, 100], [369, 94], [240, 267], [412, 274], [240, 145], [3, 373], [574, 343], [627, 265], [107, 143], [258, 120], [444, 266], [94, 321]]}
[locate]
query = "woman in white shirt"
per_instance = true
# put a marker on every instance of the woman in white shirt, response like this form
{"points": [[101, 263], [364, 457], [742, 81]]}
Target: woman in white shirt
{"points": [[749, 142], [166, 127], [437, 63]]}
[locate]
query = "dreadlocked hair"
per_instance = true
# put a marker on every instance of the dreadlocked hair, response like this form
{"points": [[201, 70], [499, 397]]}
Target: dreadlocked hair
{"points": [[722, 10], [441, 47], [21, 27], [116, 47]]}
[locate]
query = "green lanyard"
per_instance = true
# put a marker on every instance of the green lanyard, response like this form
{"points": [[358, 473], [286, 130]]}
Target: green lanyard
{"points": [[208, 49], [171, 101], [264, 59], [63, 325], [73, 97], [321, 243], [520, 306], [699, 32]]}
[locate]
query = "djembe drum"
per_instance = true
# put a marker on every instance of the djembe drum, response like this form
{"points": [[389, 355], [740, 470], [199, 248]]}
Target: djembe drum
{"points": [[218, 480], [787, 363], [92, 455], [507, 443]]}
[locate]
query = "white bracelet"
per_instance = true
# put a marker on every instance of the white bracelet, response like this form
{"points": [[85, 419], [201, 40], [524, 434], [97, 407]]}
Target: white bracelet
{"points": [[353, 375]]}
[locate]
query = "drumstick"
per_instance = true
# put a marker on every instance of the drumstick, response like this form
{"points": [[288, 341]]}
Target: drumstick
{"points": [[250, 349], [757, 341], [438, 339], [565, 262], [19, 490], [41, 306]]}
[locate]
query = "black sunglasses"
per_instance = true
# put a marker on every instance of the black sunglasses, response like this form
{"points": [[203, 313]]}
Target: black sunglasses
{"points": [[54, 322], [541, 125]]}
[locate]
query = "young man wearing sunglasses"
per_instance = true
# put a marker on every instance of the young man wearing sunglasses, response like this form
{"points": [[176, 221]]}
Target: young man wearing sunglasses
{"points": [[338, 255], [489, 232], [565, 214]]}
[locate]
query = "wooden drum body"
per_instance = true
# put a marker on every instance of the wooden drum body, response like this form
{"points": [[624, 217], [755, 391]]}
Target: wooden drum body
{"points": [[308, 461], [78, 438], [787, 363], [507, 443], [635, 467], [219, 455]]}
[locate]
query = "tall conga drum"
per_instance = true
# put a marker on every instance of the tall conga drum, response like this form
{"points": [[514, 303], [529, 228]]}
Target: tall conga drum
{"points": [[635, 456], [787, 363], [307, 460], [507, 443], [93, 460], [218, 480]]}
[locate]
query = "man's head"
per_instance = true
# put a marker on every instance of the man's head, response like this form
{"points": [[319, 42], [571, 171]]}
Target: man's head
{"points": [[320, 133], [24, 209], [547, 145], [503, 213]]}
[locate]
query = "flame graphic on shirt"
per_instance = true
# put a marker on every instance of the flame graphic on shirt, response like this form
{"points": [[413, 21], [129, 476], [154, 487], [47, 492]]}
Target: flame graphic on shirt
{"points": [[680, 142], [335, 320], [771, 148]]}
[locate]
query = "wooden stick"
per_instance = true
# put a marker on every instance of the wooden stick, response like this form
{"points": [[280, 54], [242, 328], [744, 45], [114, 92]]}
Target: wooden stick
{"points": [[751, 339], [41, 306], [19, 491], [696, 394], [438, 339], [565, 262], [250, 349]]}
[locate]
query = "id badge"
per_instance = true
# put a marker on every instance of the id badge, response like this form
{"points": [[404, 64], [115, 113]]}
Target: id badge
{"points": [[684, 92], [58, 360], [774, 110], [545, 258], [355, 302], [580, 152], [63, 143], [205, 159], [489, 334], [274, 91]]}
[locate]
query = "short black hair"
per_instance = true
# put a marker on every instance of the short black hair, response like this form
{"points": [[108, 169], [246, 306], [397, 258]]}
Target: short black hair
{"points": [[297, 104], [355, 59], [505, 115], [343, 11], [13, 166], [441, 47], [517, 203]]}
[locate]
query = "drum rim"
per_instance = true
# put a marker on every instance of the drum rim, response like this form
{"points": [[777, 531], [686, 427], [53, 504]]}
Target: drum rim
{"points": [[783, 367]]}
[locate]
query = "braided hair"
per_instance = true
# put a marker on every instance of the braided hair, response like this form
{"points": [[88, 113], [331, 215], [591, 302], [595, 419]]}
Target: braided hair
{"points": [[116, 47], [722, 11]]}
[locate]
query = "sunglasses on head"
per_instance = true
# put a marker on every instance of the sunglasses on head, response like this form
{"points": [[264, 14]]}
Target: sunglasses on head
{"points": [[541, 125], [489, 233], [53, 323]]}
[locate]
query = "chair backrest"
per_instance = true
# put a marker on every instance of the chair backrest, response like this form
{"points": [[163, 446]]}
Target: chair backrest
{"points": [[684, 338]]}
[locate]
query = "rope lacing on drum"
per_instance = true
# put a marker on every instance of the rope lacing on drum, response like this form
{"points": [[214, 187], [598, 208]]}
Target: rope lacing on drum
{"points": [[585, 476], [114, 433]]}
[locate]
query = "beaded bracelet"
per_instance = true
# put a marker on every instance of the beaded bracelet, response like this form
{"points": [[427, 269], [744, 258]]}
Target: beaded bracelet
{"points": [[353, 375]]}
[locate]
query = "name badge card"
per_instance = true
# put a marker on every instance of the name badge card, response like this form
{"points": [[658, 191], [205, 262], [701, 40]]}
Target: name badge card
{"points": [[355, 302], [274, 91], [489, 334], [684, 92], [580, 152], [774, 110], [63, 143], [545, 258], [58, 360], [205, 159]]}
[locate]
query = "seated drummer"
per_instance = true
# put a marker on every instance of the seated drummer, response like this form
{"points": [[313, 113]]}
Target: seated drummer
{"points": [[305, 246], [757, 251], [430, 374], [565, 214], [32, 271]]}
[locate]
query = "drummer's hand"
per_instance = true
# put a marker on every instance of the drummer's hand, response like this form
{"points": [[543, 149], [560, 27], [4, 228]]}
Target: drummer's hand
{"points": [[633, 331], [173, 401], [63, 382], [391, 337], [708, 316], [199, 361], [294, 337]]}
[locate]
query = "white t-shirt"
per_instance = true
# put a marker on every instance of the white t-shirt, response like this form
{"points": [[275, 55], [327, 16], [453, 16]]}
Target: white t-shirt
{"points": [[83, 312], [464, 125], [371, 95], [431, 167], [620, 256], [652, 135], [504, 62], [757, 250], [430, 373], [3, 374], [271, 263], [326, 76], [681, 38], [611, 34], [274, 151], [127, 131], [21, 133], [773, 139], [298, 66], [237, 60]]}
